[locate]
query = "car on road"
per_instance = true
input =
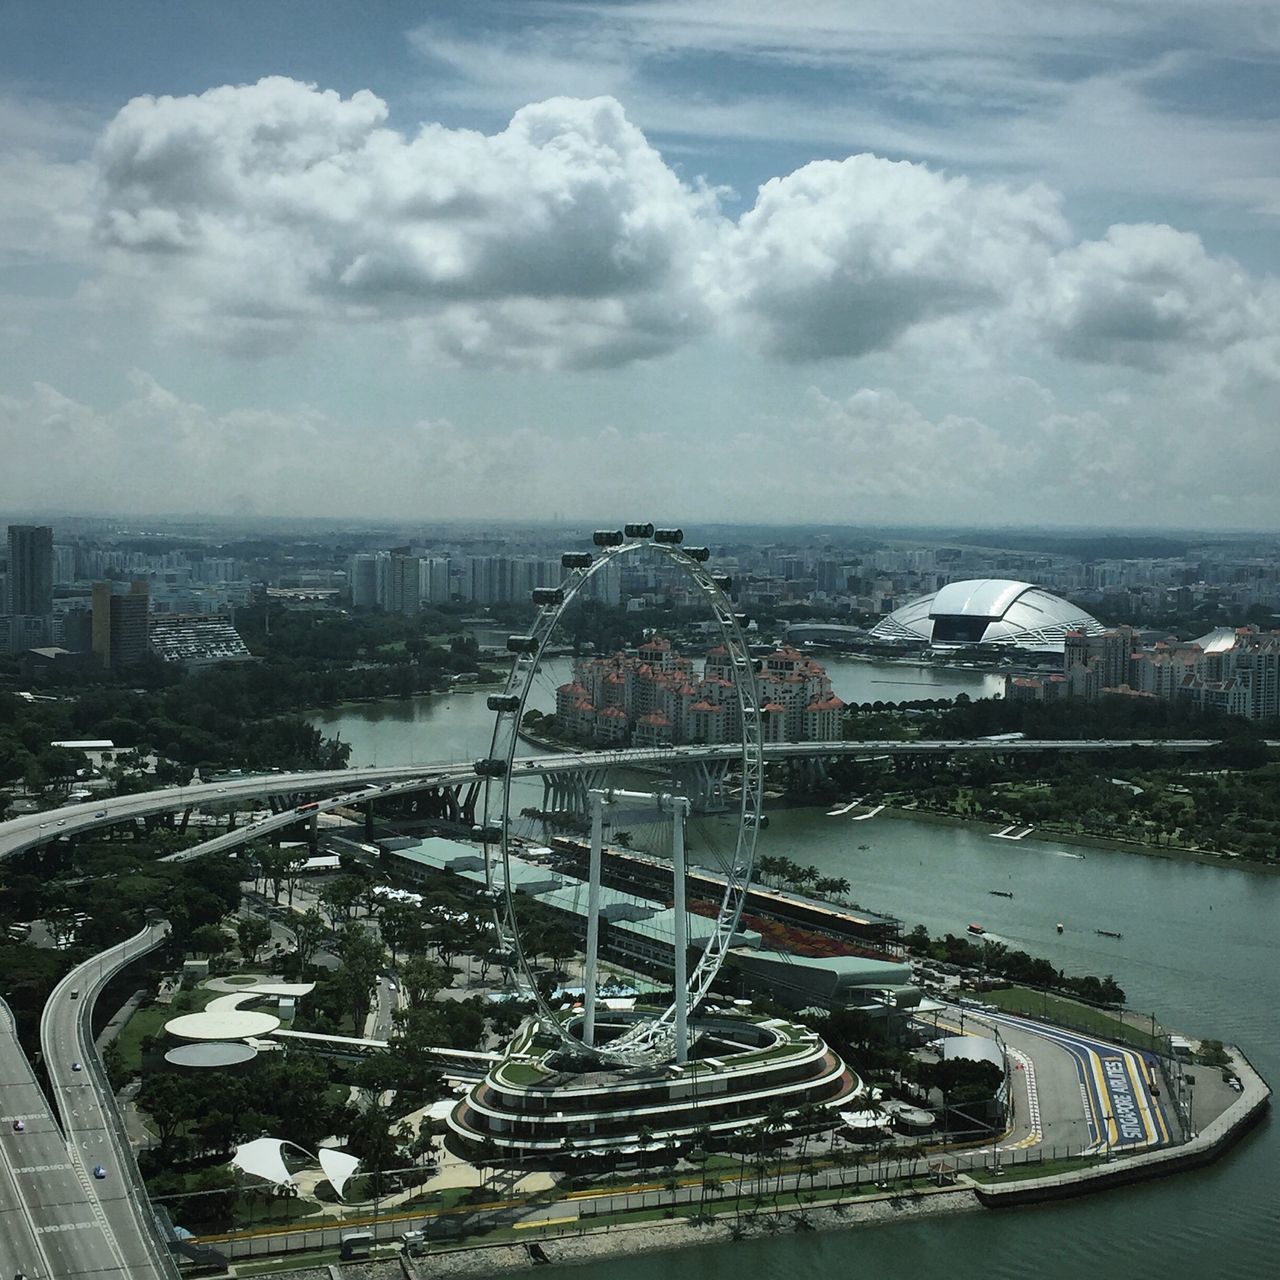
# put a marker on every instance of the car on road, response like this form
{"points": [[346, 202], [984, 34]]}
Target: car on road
{"points": [[75, 993], [43, 825], [63, 823], [102, 813], [19, 1126], [99, 1172], [75, 1066]]}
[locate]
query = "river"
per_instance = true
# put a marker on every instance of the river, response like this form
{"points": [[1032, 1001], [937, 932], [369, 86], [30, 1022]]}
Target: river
{"points": [[1199, 950], [456, 726]]}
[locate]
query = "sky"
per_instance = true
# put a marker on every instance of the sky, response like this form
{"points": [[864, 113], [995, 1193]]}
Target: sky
{"points": [[982, 262]]}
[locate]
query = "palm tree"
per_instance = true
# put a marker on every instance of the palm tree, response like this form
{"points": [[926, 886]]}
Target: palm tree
{"points": [[914, 1152], [775, 1124]]}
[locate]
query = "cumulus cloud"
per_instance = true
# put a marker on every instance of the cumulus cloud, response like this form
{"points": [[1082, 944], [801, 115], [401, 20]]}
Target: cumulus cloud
{"points": [[251, 215], [276, 205], [842, 257], [1146, 295]]}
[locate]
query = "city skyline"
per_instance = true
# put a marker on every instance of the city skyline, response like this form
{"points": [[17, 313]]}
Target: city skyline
{"points": [[990, 267]]}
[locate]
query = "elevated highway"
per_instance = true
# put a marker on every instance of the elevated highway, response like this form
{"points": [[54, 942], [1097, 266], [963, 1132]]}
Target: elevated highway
{"points": [[122, 1239], [347, 786], [45, 1227]]}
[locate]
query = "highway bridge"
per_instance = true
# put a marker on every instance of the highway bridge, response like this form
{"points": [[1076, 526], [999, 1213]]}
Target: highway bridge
{"points": [[94, 1131], [350, 786], [57, 1218]]}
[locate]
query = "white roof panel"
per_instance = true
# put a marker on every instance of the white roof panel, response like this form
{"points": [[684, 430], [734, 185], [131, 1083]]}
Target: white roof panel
{"points": [[977, 598]]}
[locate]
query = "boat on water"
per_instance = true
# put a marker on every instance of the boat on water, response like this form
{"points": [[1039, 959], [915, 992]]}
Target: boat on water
{"points": [[1059, 926], [1109, 933], [1000, 893], [977, 929]]}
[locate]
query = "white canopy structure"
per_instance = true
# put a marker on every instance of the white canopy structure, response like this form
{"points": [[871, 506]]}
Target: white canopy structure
{"points": [[338, 1167], [864, 1120], [264, 1158]]}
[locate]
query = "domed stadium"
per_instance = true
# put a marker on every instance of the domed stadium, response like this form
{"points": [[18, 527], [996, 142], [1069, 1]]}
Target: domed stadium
{"points": [[988, 611]]}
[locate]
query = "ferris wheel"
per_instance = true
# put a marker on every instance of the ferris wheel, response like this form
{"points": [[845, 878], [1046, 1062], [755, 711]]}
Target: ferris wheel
{"points": [[702, 931]]}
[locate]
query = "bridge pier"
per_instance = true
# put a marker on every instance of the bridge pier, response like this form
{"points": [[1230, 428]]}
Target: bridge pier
{"points": [[703, 781], [809, 774], [568, 791]]}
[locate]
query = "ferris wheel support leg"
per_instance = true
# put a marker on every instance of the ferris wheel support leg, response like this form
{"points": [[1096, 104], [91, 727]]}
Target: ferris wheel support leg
{"points": [[593, 920], [681, 974]]}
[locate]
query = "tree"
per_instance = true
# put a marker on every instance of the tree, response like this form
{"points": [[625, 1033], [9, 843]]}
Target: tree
{"points": [[308, 930], [361, 955], [274, 863], [402, 928], [253, 933], [293, 870], [167, 1101], [61, 923], [208, 940], [422, 978], [559, 943], [450, 938], [339, 898], [371, 1138]]}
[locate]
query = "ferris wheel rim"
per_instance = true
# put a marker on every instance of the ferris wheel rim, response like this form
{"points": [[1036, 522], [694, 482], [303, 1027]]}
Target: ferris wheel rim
{"points": [[646, 1041]]}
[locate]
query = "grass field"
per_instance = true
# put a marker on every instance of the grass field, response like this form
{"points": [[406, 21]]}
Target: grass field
{"points": [[1070, 1013], [149, 1020]]}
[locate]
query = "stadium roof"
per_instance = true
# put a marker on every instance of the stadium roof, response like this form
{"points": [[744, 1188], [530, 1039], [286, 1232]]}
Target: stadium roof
{"points": [[997, 611], [1219, 640]]}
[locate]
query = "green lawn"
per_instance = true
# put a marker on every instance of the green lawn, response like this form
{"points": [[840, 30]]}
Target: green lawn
{"points": [[149, 1020], [1072, 1013], [521, 1073]]}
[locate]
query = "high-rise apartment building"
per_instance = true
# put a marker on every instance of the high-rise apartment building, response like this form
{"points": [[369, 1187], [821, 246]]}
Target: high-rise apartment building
{"points": [[121, 624], [403, 590], [434, 585], [64, 564], [362, 579], [30, 570]]}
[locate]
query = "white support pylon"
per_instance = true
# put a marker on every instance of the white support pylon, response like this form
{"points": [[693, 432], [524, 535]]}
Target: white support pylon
{"points": [[597, 799], [679, 812]]}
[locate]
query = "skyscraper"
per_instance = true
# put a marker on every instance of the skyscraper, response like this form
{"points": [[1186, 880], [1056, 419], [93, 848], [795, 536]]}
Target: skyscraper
{"points": [[121, 624], [30, 570], [403, 584]]}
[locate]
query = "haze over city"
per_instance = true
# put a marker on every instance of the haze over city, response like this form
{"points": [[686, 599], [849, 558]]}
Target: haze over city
{"points": [[835, 262]]}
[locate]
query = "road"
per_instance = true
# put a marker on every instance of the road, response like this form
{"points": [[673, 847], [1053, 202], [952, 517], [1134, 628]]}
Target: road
{"points": [[31, 830], [124, 1242], [51, 1224], [1091, 1094], [1114, 1082]]}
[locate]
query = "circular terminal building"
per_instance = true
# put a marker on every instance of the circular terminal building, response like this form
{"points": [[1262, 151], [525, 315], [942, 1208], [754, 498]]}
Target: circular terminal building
{"points": [[987, 611], [537, 1103]]}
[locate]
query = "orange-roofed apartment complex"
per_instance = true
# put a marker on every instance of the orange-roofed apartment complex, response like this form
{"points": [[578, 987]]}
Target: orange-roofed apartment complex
{"points": [[654, 697]]}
